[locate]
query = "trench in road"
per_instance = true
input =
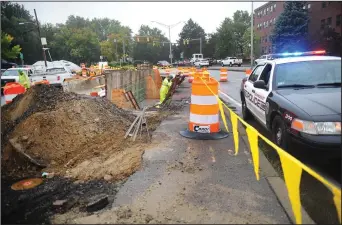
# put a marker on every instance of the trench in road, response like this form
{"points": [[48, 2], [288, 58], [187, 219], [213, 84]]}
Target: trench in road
{"points": [[316, 198]]}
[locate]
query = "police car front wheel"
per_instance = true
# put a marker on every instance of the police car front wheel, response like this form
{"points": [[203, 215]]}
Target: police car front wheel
{"points": [[278, 132]]}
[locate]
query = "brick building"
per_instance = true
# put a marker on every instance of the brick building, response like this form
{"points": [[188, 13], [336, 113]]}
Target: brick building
{"points": [[264, 20], [321, 15]]}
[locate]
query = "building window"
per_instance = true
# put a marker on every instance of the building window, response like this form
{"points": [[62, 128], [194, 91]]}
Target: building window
{"points": [[309, 6], [322, 23], [324, 4], [271, 8], [275, 5], [329, 21], [268, 9], [338, 20], [274, 20], [303, 7]]}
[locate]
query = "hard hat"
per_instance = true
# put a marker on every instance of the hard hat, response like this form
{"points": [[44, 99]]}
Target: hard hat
{"points": [[20, 70]]}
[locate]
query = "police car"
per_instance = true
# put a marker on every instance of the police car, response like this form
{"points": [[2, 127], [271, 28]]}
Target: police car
{"points": [[297, 97]]}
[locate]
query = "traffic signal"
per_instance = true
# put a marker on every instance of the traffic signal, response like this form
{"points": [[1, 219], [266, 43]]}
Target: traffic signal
{"points": [[148, 39], [184, 42], [188, 41]]}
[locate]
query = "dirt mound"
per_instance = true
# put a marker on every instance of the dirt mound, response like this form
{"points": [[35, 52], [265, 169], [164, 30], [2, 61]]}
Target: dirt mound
{"points": [[75, 135]]}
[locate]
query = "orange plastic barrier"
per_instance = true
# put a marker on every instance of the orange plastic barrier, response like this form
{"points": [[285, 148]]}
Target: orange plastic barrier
{"points": [[11, 90]]}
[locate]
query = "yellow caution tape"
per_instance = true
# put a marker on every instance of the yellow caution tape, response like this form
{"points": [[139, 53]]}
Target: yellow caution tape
{"points": [[291, 166]]}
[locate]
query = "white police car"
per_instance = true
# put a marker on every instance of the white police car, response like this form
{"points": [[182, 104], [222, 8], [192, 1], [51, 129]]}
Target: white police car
{"points": [[297, 97]]}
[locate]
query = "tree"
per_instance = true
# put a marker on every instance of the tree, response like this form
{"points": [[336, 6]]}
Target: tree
{"points": [[191, 30], [153, 49], [291, 29], [25, 35], [241, 22], [225, 45], [247, 42], [327, 39], [210, 45], [8, 51]]}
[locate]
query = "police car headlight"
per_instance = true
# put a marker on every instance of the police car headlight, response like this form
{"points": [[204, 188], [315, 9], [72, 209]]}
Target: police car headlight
{"points": [[316, 128]]}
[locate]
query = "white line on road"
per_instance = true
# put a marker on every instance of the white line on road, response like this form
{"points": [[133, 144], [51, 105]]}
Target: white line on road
{"points": [[231, 99]]}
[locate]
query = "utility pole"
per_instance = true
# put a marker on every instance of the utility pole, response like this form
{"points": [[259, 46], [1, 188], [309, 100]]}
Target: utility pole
{"points": [[200, 45], [40, 37], [170, 56], [252, 18], [124, 50]]}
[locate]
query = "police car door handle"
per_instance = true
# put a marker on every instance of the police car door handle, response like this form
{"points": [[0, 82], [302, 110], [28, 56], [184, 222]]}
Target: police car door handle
{"points": [[253, 91]]}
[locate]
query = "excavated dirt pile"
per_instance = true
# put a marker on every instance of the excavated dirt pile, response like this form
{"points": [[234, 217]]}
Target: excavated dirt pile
{"points": [[73, 135]]}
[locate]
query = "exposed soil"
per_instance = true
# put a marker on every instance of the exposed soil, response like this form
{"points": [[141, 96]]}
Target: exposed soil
{"points": [[81, 140], [34, 206], [77, 136]]}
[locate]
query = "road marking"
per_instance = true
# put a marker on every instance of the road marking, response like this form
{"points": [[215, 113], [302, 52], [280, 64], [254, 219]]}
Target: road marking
{"points": [[231, 99]]}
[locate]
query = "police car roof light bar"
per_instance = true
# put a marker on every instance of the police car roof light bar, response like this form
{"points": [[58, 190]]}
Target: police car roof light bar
{"points": [[289, 54]]}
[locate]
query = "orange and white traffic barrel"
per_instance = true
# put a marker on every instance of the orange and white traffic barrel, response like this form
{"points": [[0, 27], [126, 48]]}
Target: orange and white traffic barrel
{"points": [[186, 72], [248, 72], [223, 75], [11, 90], [204, 121]]}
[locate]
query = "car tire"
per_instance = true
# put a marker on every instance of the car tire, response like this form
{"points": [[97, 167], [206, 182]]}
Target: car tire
{"points": [[239, 65], [246, 114], [230, 64], [222, 64], [279, 135]]}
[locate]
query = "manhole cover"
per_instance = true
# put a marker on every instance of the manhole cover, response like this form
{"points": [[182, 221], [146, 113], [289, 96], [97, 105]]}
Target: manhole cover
{"points": [[26, 184]]}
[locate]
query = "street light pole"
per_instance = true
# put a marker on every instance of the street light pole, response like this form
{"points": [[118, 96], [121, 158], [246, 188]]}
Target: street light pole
{"points": [[169, 27], [40, 37], [252, 18], [170, 56]]}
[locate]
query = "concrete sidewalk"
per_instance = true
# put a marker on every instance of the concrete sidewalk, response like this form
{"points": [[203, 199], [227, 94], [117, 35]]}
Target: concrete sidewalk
{"points": [[193, 181]]}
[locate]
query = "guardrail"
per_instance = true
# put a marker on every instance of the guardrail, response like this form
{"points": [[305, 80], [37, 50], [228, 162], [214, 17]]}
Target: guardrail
{"points": [[292, 167]]}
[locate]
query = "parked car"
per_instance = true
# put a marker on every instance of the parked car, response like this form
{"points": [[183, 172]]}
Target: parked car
{"points": [[201, 62], [6, 65], [163, 63], [231, 61], [298, 100], [12, 75], [262, 59], [55, 76], [196, 57], [210, 61]]}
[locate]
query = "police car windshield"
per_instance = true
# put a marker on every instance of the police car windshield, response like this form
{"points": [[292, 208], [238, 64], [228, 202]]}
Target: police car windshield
{"points": [[308, 73]]}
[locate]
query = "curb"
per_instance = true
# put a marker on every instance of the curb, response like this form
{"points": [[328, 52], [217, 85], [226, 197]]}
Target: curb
{"points": [[278, 186]]}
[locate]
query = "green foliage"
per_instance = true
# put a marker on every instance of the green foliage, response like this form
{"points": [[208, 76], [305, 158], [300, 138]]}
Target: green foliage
{"points": [[225, 45], [191, 30], [154, 50], [247, 41], [25, 35], [8, 51], [291, 29]]}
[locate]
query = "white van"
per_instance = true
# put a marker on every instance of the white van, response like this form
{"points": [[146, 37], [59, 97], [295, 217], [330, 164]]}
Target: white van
{"points": [[196, 57]]}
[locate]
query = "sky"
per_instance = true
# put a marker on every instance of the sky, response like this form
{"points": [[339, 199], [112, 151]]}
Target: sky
{"points": [[208, 15]]}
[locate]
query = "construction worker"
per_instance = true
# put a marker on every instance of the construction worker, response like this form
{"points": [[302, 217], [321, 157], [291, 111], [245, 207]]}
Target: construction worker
{"points": [[92, 71], [24, 79], [166, 84]]}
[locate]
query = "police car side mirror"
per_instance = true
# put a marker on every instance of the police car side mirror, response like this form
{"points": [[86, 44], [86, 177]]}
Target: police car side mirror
{"points": [[259, 84]]}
